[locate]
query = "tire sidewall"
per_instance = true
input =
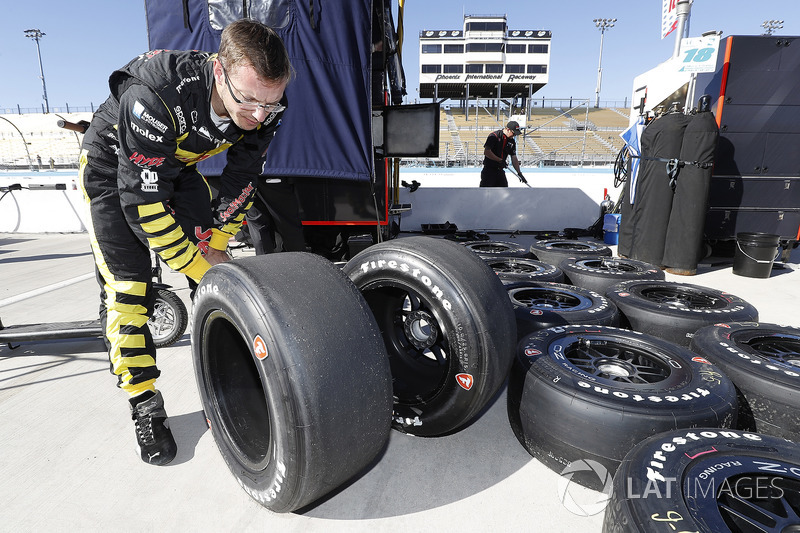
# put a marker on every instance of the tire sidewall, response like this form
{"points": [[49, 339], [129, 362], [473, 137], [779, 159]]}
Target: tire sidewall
{"points": [[671, 321], [275, 485], [667, 479], [592, 308]]}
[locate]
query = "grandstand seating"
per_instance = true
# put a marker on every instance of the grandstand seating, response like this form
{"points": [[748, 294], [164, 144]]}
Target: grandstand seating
{"points": [[27, 139], [553, 136]]}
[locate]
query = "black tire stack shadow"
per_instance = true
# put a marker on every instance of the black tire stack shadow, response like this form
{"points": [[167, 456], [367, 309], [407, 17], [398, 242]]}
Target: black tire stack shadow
{"points": [[511, 269], [448, 326], [591, 393], [706, 479], [545, 305], [553, 251], [292, 373], [763, 361], [599, 273], [674, 311]]}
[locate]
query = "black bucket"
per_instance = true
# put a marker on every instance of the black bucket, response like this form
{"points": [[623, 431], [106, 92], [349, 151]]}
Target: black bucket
{"points": [[755, 253]]}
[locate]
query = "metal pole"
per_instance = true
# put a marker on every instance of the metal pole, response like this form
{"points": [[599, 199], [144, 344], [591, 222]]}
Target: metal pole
{"points": [[602, 25], [36, 34], [682, 9]]}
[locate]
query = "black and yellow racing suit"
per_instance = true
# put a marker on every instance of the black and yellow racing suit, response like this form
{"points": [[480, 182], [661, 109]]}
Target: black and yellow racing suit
{"points": [[143, 190]]}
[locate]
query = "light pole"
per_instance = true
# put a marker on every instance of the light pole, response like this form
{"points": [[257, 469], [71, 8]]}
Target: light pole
{"points": [[771, 25], [36, 35], [602, 25]]}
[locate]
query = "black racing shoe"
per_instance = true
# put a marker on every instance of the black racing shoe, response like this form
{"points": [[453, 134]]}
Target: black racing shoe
{"points": [[153, 436]]}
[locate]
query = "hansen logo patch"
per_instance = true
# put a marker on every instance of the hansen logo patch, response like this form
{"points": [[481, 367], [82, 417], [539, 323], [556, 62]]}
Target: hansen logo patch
{"points": [[465, 381], [259, 348]]}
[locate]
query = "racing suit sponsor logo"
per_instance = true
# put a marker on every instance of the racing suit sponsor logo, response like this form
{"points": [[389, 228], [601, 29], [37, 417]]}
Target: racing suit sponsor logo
{"points": [[149, 180], [237, 203], [146, 133], [141, 113], [181, 120], [186, 81], [203, 132], [150, 54], [144, 161], [202, 236]]}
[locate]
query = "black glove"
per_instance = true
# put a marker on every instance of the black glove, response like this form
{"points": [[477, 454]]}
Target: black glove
{"points": [[522, 178]]}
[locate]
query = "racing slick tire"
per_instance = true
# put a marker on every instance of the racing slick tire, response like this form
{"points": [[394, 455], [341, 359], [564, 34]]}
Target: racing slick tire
{"points": [[601, 272], [674, 311], [709, 480], [545, 305], [763, 361], [448, 327], [508, 249], [554, 251], [510, 269], [169, 320], [591, 393], [292, 374]]}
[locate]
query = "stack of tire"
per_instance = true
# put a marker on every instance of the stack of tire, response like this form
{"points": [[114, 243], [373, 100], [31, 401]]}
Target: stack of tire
{"points": [[297, 359], [593, 402], [304, 367]]}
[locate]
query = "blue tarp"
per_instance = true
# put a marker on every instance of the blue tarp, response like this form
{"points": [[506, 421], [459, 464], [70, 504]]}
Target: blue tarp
{"points": [[326, 131]]}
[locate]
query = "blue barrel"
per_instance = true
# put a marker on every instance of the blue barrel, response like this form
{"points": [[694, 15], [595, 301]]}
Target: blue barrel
{"points": [[611, 228]]}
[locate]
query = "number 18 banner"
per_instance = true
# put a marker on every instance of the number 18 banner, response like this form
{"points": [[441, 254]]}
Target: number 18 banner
{"points": [[699, 54]]}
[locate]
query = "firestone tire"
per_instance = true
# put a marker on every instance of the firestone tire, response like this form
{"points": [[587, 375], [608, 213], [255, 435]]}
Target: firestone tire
{"points": [[591, 393], [448, 326], [169, 319], [512, 269], [545, 305], [599, 273], [763, 361], [508, 249], [674, 311], [554, 251], [293, 375], [709, 480]]}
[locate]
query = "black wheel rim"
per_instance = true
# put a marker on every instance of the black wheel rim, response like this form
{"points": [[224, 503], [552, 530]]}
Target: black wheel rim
{"points": [[547, 299], [608, 265], [416, 341], [784, 348], [565, 245], [490, 247], [734, 493], [511, 266], [163, 322], [616, 361], [683, 297], [760, 503]]}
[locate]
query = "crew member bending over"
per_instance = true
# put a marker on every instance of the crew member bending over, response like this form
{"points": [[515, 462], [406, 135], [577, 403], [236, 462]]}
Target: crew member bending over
{"points": [[167, 111]]}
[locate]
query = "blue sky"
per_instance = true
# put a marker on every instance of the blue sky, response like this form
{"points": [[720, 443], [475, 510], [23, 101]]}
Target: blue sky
{"points": [[86, 39]]}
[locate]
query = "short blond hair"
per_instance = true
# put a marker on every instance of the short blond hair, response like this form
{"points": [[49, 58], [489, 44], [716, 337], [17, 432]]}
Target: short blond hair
{"points": [[249, 42]]}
